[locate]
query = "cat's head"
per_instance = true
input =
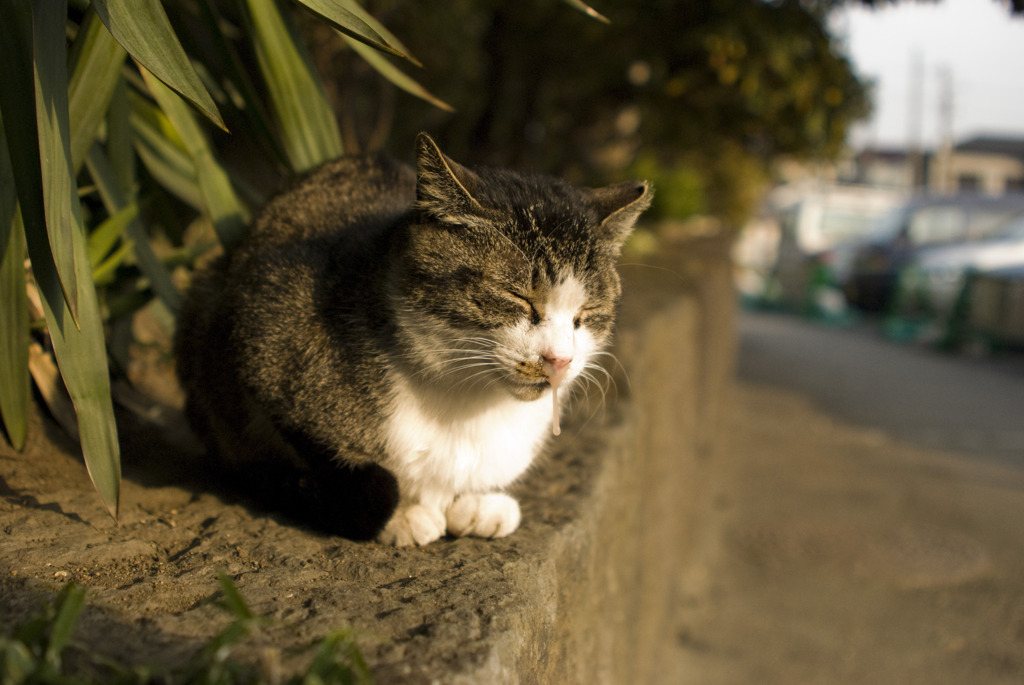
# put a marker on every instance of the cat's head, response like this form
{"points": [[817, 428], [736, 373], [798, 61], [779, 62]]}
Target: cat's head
{"points": [[509, 279]]}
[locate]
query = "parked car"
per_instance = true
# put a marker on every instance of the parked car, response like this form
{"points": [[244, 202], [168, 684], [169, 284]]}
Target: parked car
{"points": [[939, 272], [996, 308], [773, 253], [942, 226], [818, 224]]}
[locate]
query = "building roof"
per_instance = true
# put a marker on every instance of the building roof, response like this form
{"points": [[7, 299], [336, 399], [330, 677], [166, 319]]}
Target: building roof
{"points": [[996, 145]]}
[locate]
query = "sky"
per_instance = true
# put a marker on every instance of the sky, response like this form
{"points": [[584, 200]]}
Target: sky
{"points": [[911, 49]]}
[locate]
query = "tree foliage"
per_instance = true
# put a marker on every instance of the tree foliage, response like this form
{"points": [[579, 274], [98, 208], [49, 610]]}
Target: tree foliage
{"points": [[715, 87]]}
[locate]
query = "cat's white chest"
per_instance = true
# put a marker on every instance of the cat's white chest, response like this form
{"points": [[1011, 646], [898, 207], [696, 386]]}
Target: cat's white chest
{"points": [[463, 444]]}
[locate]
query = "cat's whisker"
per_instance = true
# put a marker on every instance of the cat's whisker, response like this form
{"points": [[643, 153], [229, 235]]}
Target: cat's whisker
{"points": [[605, 382], [617, 365], [444, 371], [580, 396]]}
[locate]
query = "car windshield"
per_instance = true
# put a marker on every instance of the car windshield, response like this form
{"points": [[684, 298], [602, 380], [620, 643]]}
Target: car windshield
{"points": [[1013, 229], [889, 225], [839, 224], [992, 222], [937, 224], [933, 224]]}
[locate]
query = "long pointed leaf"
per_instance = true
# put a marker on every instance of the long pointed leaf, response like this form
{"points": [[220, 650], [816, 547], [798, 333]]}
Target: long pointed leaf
{"points": [[60, 192], [82, 359], [115, 200], [78, 342], [73, 317], [68, 606], [163, 154], [254, 111], [14, 338], [351, 24], [97, 60], [113, 170], [103, 238], [392, 73], [588, 10], [354, 7], [105, 272], [34, 104], [308, 128], [223, 207], [143, 29], [118, 146]]}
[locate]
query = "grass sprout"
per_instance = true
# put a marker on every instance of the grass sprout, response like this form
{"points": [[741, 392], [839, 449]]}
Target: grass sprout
{"points": [[33, 653]]}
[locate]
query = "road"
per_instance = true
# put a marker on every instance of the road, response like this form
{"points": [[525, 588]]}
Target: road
{"points": [[867, 518], [935, 400]]}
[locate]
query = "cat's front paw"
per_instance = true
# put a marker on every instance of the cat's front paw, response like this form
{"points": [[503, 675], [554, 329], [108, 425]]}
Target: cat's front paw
{"points": [[413, 525], [493, 515]]}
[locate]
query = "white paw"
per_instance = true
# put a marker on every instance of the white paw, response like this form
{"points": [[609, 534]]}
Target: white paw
{"points": [[413, 525], [493, 515]]}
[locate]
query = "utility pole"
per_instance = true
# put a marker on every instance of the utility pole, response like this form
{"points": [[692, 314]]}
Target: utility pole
{"points": [[915, 116], [944, 161]]}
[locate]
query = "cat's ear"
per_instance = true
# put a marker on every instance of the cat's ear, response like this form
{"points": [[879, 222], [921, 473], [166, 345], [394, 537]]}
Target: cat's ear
{"points": [[444, 188], [619, 206]]}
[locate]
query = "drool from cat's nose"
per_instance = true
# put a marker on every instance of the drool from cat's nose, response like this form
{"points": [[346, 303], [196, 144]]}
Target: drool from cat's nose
{"points": [[556, 370]]}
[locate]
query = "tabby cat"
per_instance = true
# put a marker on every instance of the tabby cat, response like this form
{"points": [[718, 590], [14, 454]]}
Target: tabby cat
{"points": [[387, 349]]}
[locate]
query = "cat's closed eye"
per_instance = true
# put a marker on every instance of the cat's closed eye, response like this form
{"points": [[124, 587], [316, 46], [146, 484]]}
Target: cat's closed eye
{"points": [[527, 305], [595, 317]]}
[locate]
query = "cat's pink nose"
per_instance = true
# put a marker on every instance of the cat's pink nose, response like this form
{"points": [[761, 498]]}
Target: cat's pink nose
{"points": [[557, 363]]}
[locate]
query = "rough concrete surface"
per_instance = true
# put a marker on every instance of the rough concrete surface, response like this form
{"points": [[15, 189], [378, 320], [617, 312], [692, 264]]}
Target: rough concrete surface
{"points": [[582, 593]]}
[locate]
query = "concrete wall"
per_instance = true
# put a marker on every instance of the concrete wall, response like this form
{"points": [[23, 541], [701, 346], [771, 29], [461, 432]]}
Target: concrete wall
{"points": [[594, 602], [583, 592]]}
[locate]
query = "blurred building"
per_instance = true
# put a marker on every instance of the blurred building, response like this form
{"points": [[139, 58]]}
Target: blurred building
{"points": [[881, 168], [989, 165]]}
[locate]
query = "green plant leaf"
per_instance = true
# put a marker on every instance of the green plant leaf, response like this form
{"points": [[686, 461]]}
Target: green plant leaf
{"points": [[338, 660], [112, 169], [115, 200], [103, 238], [16, 661], [355, 8], [162, 153], [227, 213], [60, 191], [352, 21], [57, 249], [97, 60], [81, 356], [392, 73], [142, 28], [588, 10], [308, 129], [35, 114], [14, 336], [118, 148], [104, 273], [232, 600], [252, 109], [68, 607]]}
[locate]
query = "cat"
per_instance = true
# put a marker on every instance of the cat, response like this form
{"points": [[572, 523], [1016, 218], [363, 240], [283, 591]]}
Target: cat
{"points": [[387, 349]]}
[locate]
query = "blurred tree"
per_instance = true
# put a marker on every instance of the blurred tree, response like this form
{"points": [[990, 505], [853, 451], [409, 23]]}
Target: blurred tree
{"points": [[716, 88]]}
